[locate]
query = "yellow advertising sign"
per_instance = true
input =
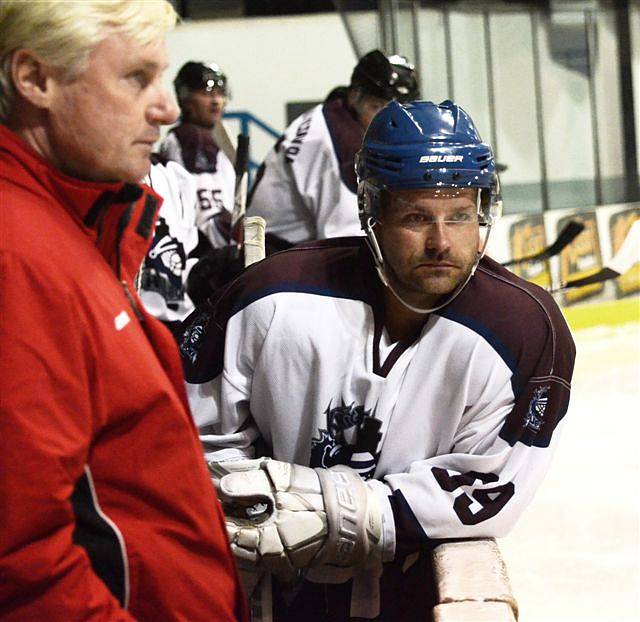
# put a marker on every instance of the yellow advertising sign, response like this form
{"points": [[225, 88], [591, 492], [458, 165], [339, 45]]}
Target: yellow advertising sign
{"points": [[581, 258], [527, 237]]}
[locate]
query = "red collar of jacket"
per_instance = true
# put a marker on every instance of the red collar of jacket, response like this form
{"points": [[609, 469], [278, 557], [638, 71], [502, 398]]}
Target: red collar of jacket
{"points": [[118, 217]]}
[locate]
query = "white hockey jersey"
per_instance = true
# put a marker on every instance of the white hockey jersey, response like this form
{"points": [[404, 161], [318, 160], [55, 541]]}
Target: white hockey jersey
{"points": [[193, 147], [163, 274], [458, 427], [306, 189]]}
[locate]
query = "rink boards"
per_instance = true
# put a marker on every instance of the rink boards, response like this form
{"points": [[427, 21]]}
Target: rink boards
{"points": [[605, 228]]}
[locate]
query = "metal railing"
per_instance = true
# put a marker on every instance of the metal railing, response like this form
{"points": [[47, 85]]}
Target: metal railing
{"points": [[248, 122]]}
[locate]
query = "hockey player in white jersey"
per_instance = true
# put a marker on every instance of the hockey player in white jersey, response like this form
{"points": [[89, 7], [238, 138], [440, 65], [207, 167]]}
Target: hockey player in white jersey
{"points": [[162, 279], [202, 90], [306, 189], [360, 399]]}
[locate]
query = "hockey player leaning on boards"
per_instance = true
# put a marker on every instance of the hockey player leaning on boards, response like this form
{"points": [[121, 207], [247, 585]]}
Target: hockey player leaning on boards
{"points": [[393, 389], [202, 92], [306, 189]]}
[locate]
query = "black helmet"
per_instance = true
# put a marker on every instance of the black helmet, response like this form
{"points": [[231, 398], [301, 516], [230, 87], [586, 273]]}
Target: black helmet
{"points": [[194, 76], [387, 77]]}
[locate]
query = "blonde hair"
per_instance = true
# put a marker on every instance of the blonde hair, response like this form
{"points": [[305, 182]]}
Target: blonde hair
{"points": [[63, 33]]}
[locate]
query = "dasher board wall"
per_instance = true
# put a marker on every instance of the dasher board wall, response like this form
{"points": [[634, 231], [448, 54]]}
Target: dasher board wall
{"points": [[272, 61], [605, 230]]}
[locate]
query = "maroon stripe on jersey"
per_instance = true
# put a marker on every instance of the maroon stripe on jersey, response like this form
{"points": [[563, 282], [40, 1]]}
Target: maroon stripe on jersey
{"points": [[313, 268], [339, 268], [201, 341], [537, 412], [410, 536], [525, 327], [199, 150], [346, 135], [399, 349]]}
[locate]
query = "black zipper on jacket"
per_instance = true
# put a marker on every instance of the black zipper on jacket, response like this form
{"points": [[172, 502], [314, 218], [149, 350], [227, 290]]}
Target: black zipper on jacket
{"points": [[129, 193], [132, 300]]}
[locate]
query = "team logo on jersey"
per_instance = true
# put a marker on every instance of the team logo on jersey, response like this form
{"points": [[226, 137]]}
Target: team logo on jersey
{"points": [[163, 266], [351, 438], [193, 336], [537, 406]]}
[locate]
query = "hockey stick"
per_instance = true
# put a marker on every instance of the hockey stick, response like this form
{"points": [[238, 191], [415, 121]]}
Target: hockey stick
{"points": [[240, 198], [568, 234], [221, 138], [254, 242], [247, 233], [628, 255]]}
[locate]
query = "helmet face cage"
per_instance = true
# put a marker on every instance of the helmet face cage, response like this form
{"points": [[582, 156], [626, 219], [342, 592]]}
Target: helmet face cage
{"points": [[371, 198]]}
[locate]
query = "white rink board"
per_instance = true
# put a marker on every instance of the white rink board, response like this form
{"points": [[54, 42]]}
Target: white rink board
{"points": [[574, 555]]}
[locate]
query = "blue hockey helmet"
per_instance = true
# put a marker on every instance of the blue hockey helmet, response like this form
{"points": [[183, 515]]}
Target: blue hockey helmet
{"points": [[425, 145]]}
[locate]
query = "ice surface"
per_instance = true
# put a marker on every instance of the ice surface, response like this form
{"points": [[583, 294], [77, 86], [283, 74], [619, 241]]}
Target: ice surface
{"points": [[575, 553]]}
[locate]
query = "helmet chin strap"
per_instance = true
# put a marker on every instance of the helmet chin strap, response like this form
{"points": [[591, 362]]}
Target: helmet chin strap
{"points": [[379, 261]]}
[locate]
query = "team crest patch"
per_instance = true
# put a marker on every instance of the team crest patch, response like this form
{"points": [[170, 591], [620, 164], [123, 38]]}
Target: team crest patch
{"points": [[192, 337], [351, 438], [163, 266], [537, 407]]}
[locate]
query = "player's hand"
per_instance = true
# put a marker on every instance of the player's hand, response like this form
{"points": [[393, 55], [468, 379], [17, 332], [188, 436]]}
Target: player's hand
{"points": [[217, 267], [285, 518]]}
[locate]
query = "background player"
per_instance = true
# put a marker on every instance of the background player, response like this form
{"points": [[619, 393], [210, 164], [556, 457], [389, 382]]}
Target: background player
{"points": [[202, 92], [306, 189], [423, 382], [176, 244]]}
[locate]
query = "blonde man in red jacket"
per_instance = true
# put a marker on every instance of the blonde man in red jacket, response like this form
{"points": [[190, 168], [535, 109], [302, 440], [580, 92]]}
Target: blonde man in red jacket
{"points": [[106, 508]]}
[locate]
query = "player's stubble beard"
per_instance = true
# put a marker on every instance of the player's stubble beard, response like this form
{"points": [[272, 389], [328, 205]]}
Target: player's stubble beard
{"points": [[423, 287]]}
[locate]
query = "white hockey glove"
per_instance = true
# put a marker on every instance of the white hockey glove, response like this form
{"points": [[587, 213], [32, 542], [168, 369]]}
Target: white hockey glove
{"points": [[284, 517]]}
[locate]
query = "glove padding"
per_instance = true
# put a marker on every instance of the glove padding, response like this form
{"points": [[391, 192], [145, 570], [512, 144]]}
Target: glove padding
{"points": [[214, 270], [284, 518]]}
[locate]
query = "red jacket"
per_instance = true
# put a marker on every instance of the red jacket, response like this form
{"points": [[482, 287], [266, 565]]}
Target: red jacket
{"points": [[106, 508]]}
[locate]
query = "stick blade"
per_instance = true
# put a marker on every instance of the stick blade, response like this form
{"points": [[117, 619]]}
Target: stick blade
{"points": [[221, 138], [568, 233]]}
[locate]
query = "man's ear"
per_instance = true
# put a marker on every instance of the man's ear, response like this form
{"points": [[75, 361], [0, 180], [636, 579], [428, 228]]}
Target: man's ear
{"points": [[31, 78], [352, 97]]}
